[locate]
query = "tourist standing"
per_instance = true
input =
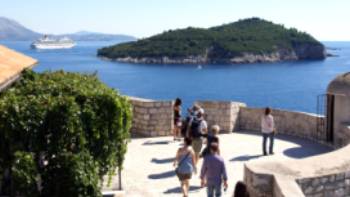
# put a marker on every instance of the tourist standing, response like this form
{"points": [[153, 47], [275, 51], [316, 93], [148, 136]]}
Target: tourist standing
{"points": [[213, 172], [185, 165], [211, 137], [177, 119], [197, 127], [191, 112], [268, 130]]}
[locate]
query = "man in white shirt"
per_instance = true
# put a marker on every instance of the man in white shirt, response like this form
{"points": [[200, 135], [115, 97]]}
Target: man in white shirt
{"points": [[268, 130]]}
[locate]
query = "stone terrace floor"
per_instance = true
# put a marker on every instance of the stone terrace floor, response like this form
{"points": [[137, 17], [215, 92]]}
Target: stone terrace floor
{"points": [[149, 169]]}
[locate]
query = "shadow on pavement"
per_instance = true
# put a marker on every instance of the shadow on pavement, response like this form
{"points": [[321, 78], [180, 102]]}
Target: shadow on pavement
{"points": [[302, 152], [162, 161], [178, 189], [162, 175], [245, 157], [150, 142], [306, 148]]}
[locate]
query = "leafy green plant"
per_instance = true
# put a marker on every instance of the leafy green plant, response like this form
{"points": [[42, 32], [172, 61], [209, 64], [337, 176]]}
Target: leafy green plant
{"points": [[62, 119], [24, 174], [70, 169]]}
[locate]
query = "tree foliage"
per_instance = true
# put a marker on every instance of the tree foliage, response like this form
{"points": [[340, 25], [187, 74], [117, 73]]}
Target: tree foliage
{"points": [[252, 35], [61, 132]]}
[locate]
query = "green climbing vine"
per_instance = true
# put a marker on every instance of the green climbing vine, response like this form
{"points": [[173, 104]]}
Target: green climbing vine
{"points": [[60, 133]]}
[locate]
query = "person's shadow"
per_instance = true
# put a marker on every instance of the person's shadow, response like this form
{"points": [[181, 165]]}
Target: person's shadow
{"points": [[151, 143], [178, 190], [162, 175], [245, 157], [162, 161]]}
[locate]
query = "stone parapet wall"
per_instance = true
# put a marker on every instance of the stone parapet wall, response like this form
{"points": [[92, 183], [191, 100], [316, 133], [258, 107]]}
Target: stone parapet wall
{"points": [[336, 185], [222, 113], [258, 184], [262, 184], [326, 175], [152, 118], [298, 124]]}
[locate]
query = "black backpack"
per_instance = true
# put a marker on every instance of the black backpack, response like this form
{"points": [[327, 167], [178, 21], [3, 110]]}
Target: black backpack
{"points": [[195, 131]]}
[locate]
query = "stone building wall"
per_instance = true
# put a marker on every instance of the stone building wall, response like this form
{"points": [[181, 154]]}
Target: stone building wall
{"points": [[298, 124], [222, 113], [152, 118]]}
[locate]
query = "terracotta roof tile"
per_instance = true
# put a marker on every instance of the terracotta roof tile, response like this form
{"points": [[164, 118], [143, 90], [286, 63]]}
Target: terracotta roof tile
{"points": [[12, 63]]}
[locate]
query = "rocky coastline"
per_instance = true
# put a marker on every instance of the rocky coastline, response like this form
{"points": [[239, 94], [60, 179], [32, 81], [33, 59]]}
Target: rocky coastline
{"points": [[299, 53]]}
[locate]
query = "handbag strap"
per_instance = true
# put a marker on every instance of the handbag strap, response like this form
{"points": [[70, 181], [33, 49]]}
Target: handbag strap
{"points": [[183, 159]]}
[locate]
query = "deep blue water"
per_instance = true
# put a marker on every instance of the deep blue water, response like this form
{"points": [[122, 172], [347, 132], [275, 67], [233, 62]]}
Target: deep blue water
{"points": [[288, 85]]}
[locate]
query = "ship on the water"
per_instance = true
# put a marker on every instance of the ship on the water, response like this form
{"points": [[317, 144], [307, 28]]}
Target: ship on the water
{"points": [[50, 43]]}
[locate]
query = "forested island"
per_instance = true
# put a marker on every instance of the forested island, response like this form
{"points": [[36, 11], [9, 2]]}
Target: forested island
{"points": [[245, 41]]}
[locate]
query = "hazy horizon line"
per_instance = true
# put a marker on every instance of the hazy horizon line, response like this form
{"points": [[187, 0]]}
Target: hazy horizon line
{"points": [[163, 31]]}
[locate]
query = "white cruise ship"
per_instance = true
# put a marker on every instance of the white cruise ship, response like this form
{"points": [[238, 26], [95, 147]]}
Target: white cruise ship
{"points": [[50, 43]]}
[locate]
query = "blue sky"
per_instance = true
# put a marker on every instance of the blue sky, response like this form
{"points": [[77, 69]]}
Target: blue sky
{"points": [[324, 19]]}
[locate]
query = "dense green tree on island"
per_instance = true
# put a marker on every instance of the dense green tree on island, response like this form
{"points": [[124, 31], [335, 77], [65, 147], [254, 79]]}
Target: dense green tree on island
{"points": [[254, 36]]}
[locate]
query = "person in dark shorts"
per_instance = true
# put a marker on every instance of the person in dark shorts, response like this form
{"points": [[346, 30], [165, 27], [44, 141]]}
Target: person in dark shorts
{"points": [[191, 113], [177, 119], [185, 165]]}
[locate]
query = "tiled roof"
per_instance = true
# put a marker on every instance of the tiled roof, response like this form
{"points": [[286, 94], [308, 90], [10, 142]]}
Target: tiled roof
{"points": [[12, 63]]}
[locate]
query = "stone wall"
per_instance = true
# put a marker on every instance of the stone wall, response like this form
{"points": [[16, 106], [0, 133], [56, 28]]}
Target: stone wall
{"points": [[326, 175], [298, 124], [258, 184], [152, 118], [222, 113], [336, 185]]}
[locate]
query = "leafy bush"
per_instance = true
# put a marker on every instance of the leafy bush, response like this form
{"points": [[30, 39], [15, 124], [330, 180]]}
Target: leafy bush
{"points": [[70, 169], [24, 174], [53, 121]]}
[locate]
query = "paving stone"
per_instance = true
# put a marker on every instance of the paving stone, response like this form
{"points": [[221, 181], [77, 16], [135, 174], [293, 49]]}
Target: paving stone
{"points": [[148, 169]]}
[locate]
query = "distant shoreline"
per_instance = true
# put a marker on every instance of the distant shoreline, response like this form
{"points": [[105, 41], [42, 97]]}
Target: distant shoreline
{"points": [[247, 58]]}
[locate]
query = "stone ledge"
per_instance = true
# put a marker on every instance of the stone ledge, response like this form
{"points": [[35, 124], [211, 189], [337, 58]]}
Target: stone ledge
{"points": [[314, 170], [286, 187]]}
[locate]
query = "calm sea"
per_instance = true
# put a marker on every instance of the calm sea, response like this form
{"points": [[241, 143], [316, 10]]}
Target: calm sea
{"points": [[288, 85]]}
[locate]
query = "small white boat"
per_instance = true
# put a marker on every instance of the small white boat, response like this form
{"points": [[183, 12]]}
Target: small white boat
{"points": [[199, 67], [50, 43]]}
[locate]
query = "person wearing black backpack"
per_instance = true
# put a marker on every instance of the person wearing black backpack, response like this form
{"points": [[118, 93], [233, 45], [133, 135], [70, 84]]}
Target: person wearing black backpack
{"points": [[197, 127]]}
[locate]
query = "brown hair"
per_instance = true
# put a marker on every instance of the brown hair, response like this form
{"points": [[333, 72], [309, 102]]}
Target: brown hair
{"points": [[241, 190], [178, 102], [267, 111], [214, 147], [188, 141]]}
